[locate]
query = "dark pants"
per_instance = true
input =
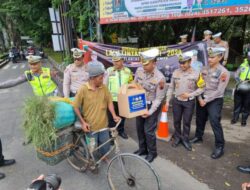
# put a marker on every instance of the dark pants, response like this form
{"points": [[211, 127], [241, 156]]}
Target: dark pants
{"points": [[1, 153], [112, 123], [182, 111], [241, 105], [211, 111], [146, 128], [72, 94]]}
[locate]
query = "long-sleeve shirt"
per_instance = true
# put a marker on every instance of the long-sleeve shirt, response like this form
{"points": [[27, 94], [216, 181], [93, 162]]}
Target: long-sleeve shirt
{"points": [[19, 80], [73, 78], [184, 82], [216, 80], [225, 45], [154, 85]]}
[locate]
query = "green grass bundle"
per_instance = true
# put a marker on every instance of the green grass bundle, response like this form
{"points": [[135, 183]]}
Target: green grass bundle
{"points": [[39, 114]]}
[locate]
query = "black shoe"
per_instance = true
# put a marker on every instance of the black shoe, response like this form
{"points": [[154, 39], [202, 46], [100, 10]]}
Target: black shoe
{"points": [[244, 169], [243, 124], [123, 135], [217, 153], [176, 142], [141, 153], [2, 175], [187, 145], [233, 121], [150, 157], [7, 162], [196, 140]]}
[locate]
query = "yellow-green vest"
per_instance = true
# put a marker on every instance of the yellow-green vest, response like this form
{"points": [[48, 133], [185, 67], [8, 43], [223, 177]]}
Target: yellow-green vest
{"points": [[116, 78], [245, 71], [42, 85]]}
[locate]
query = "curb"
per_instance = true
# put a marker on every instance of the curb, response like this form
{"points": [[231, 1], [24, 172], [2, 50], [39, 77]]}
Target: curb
{"points": [[4, 63]]}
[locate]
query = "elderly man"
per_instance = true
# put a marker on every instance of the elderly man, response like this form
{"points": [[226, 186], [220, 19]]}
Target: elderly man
{"points": [[218, 42], [186, 84], [153, 81], [208, 38], [75, 74], [211, 102], [117, 76], [41, 79], [95, 99]]}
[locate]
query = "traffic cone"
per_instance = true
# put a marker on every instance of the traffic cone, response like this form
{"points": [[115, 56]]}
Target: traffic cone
{"points": [[162, 132]]}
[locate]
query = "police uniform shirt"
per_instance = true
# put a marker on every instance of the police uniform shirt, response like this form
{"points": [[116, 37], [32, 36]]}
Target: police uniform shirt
{"points": [[210, 43], [185, 82], [223, 44], [154, 85], [216, 82], [74, 77]]}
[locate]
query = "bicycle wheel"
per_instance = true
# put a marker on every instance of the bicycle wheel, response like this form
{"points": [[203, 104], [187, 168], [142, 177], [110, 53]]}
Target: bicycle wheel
{"points": [[128, 171], [79, 154]]}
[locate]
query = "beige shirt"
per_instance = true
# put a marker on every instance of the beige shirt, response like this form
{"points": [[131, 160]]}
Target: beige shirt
{"points": [[225, 45], [209, 42], [216, 80], [154, 85], [184, 82], [94, 105], [73, 78]]}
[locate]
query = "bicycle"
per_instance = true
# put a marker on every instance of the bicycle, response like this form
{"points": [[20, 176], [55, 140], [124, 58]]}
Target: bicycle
{"points": [[125, 170]]}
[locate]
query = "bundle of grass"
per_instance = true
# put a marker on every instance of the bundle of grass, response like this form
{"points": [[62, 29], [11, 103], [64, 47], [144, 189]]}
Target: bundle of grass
{"points": [[39, 115]]}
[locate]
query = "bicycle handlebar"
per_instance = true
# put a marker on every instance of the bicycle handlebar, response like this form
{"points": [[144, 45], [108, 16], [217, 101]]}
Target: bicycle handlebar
{"points": [[110, 129]]}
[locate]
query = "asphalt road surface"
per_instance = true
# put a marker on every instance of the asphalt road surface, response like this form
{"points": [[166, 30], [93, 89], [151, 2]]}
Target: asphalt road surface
{"points": [[29, 167]]}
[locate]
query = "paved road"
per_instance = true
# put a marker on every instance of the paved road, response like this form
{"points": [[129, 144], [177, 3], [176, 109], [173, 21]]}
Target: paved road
{"points": [[28, 166]]}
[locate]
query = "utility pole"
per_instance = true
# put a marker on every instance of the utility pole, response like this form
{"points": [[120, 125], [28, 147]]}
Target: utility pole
{"points": [[94, 24]]}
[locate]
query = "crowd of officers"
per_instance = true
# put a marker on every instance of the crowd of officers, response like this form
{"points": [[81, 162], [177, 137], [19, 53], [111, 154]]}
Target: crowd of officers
{"points": [[96, 89]]}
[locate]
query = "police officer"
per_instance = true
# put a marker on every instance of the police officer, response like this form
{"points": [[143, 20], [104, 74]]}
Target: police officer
{"points": [[218, 42], [117, 76], [242, 97], [186, 84], [4, 162], [183, 39], [75, 74], [42, 80], [195, 64], [153, 81], [208, 38], [211, 102]]}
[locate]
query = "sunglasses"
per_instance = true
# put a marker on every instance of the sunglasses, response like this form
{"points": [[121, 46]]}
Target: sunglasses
{"points": [[78, 59]]}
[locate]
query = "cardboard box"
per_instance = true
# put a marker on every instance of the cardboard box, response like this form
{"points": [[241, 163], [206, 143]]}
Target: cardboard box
{"points": [[132, 101]]}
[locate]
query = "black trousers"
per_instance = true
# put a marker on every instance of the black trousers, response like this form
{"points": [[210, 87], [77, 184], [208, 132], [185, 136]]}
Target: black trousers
{"points": [[146, 128], [241, 105], [112, 123], [182, 111], [1, 152], [211, 111]]}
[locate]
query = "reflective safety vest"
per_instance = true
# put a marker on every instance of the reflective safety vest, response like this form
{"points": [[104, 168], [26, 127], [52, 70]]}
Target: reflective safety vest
{"points": [[245, 71], [116, 78], [42, 85]]}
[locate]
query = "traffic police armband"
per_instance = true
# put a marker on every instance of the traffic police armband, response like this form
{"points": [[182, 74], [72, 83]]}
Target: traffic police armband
{"points": [[201, 83]]}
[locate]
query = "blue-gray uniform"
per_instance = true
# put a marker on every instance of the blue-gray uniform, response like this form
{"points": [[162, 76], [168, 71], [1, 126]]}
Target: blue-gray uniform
{"points": [[216, 80], [154, 84]]}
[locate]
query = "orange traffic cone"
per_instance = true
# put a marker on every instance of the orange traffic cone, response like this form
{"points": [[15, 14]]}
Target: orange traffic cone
{"points": [[163, 131]]}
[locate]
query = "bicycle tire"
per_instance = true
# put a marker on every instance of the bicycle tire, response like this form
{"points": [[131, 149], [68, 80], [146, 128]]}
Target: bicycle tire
{"points": [[133, 178], [79, 154]]}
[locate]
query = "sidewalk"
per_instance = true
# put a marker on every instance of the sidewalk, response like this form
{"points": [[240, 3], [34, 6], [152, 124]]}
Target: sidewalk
{"points": [[217, 174]]}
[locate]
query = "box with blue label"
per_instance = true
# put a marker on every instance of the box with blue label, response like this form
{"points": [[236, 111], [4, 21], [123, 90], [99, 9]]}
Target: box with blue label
{"points": [[132, 101]]}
